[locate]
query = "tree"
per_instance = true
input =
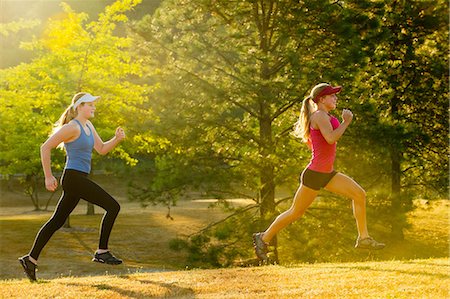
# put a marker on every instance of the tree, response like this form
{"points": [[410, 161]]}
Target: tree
{"points": [[239, 67], [231, 76], [404, 98], [73, 55]]}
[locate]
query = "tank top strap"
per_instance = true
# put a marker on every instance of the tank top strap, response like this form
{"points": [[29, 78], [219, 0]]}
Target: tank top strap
{"points": [[78, 122], [90, 131], [81, 127]]}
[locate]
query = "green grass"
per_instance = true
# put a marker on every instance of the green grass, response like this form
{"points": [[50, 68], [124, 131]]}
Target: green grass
{"points": [[389, 279]]}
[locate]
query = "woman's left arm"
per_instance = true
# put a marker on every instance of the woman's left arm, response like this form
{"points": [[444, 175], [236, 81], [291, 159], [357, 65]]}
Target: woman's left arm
{"points": [[105, 147]]}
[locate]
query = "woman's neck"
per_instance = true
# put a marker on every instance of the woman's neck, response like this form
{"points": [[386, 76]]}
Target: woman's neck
{"points": [[322, 107], [82, 120]]}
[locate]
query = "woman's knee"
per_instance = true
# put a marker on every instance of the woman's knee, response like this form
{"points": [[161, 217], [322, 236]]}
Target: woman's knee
{"points": [[360, 196], [295, 214], [115, 207]]}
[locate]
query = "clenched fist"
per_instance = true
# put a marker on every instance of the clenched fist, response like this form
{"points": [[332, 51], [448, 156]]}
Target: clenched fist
{"points": [[51, 183], [120, 134], [347, 115]]}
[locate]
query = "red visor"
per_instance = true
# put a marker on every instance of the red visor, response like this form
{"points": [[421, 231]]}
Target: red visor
{"points": [[327, 91]]}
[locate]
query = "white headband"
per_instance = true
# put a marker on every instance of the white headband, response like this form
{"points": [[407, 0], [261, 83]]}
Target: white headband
{"points": [[87, 98]]}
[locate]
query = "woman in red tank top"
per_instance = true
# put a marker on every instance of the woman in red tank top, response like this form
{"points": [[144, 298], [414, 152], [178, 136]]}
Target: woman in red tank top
{"points": [[321, 131]]}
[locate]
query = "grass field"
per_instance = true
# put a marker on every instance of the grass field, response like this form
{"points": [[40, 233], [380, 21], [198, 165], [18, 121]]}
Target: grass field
{"points": [[393, 279], [151, 269], [140, 237]]}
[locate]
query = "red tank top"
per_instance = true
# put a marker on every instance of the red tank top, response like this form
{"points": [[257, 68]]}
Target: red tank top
{"points": [[323, 153]]}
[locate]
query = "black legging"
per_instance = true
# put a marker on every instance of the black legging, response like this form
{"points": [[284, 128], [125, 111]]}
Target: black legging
{"points": [[76, 185]]}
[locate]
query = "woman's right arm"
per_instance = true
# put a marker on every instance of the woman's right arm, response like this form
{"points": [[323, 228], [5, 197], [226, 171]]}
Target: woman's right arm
{"points": [[322, 121], [67, 132]]}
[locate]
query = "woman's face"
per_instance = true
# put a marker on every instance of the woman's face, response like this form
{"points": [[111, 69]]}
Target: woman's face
{"points": [[87, 110], [329, 101]]}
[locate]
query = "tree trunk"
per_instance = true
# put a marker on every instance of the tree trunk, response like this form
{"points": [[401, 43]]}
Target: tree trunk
{"points": [[396, 204], [267, 191], [267, 175], [396, 198], [31, 190], [67, 222], [263, 16], [90, 209], [48, 201]]}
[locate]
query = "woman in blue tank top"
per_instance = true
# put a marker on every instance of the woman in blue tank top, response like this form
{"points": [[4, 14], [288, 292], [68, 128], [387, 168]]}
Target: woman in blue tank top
{"points": [[79, 137]]}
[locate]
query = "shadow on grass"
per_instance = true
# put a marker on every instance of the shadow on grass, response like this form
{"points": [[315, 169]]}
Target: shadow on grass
{"points": [[429, 263], [430, 273], [75, 234], [171, 289], [40, 281]]}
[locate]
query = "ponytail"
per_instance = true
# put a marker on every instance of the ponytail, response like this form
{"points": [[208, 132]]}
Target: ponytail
{"points": [[66, 117], [301, 127], [69, 114]]}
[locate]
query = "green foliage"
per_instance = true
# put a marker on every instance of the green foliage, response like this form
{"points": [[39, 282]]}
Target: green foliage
{"points": [[71, 56], [401, 97], [229, 86], [13, 27], [326, 233], [231, 77], [221, 244], [211, 90]]}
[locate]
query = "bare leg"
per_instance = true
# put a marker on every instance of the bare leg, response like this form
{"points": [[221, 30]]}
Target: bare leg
{"points": [[346, 186], [303, 198], [32, 260]]}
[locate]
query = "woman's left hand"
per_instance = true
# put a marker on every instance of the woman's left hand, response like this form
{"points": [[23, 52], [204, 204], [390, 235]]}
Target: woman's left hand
{"points": [[120, 134]]}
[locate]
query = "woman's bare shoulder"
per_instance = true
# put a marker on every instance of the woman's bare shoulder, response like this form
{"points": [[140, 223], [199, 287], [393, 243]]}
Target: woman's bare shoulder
{"points": [[71, 125], [318, 116], [70, 128]]}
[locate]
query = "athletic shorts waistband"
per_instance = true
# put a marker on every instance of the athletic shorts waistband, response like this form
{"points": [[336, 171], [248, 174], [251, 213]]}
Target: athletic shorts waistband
{"points": [[316, 180]]}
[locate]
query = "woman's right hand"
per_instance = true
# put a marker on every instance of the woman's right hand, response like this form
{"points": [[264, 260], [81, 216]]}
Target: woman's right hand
{"points": [[120, 134], [347, 115], [51, 183]]}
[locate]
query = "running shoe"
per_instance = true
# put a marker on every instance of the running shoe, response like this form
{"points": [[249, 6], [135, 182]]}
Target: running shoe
{"points": [[106, 258], [368, 243], [260, 246], [28, 267]]}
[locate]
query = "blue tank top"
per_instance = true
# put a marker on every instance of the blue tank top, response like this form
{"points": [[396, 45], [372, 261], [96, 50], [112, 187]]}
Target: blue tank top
{"points": [[79, 151]]}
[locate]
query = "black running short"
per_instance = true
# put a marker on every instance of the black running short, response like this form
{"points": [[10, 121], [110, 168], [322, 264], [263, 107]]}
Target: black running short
{"points": [[314, 179]]}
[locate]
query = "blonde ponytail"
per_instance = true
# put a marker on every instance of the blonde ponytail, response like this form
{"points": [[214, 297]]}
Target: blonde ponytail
{"points": [[301, 127], [68, 114], [66, 117]]}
